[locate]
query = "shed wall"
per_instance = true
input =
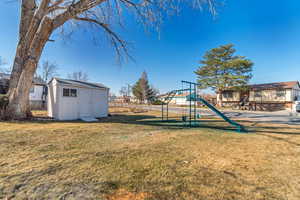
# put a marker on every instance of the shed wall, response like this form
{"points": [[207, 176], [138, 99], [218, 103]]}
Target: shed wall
{"points": [[88, 103]]}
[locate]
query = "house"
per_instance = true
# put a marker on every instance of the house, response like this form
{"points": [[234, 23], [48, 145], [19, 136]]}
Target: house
{"points": [[211, 98], [182, 98], [123, 99], [267, 96], [38, 91], [38, 94], [72, 99], [4, 82], [178, 99]]}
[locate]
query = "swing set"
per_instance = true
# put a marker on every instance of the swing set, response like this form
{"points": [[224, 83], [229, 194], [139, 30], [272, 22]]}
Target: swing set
{"points": [[189, 97]]}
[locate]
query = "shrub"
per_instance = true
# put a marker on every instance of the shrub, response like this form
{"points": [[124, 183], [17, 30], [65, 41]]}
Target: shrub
{"points": [[157, 102], [3, 101], [3, 106]]}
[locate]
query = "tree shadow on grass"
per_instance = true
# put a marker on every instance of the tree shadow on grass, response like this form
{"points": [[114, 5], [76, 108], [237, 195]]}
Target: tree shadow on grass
{"points": [[217, 124], [177, 185], [175, 123], [172, 123]]}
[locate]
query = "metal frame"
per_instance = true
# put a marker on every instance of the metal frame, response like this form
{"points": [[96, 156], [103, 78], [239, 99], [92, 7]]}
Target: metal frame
{"points": [[192, 89], [194, 97]]}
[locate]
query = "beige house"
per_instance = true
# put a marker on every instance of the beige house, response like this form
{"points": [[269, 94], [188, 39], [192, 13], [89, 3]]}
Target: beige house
{"points": [[268, 96], [125, 99]]}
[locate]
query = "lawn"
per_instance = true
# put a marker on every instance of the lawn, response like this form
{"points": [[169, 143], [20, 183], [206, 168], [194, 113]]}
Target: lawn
{"points": [[132, 156]]}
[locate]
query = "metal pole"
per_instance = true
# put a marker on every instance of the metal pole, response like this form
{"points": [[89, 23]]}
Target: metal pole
{"points": [[167, 111], [162, 111], [195, 98], [190, 105]]}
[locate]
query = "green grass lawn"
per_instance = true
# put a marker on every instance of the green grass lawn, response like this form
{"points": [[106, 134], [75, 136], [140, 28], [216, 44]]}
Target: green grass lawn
{"points": [[134, 156]]}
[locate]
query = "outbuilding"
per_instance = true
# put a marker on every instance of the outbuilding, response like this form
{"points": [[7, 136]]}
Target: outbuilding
{"points": [[72, 99]]}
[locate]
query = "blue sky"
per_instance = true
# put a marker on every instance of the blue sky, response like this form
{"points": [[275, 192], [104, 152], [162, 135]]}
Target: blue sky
{"points": [[267, 33]]}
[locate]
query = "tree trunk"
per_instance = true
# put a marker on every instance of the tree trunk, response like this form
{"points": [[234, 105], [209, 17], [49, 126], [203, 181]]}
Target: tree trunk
{"points": [[19, 106], [24, 68]]}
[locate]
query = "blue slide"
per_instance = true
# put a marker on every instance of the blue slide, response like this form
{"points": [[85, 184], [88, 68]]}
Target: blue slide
{"points": [[240, 128]]}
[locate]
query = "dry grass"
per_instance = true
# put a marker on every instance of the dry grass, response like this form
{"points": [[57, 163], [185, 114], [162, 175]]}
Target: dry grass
{"points": [[127, 109], [133, 156]]}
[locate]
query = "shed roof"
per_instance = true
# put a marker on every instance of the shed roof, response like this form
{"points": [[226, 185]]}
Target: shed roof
{"points": [[80, 83]]}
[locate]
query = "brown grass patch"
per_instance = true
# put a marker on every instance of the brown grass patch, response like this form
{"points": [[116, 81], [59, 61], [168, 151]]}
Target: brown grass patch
{"points": [[133, 155], [127, 110], [123, 194]]}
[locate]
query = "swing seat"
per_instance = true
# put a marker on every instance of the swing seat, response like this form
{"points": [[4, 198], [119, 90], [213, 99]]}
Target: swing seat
{"points": [[184, 118]]}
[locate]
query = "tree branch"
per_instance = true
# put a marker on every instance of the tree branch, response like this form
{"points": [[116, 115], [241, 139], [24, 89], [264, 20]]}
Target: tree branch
{"points": [[75, 9], [57, 3], [35, 23], [27, 12], [115, 39], [56, 6]]}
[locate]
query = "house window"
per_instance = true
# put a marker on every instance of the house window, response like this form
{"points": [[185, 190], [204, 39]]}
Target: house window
{"points": [[280, 93], [228, 94], [257, 94], [67, 92], [32, 89]]}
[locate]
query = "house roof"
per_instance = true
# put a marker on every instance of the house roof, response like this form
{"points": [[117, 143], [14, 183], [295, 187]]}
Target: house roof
{"points": [[38, 81], [276, 85], [183, 94], [4, 76], [79, 83], [269, 86]]}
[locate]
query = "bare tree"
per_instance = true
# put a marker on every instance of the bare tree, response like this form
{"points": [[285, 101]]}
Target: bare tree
{"points": [[47, 70], [40, 18], [2, 62], [111, 97], [123, 91], [79, 76]]}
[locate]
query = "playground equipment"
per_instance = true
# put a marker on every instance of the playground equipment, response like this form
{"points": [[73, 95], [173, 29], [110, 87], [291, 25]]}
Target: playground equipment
{"points": [[191, 118]]}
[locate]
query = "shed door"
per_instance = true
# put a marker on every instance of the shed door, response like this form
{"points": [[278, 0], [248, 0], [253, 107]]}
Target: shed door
{"points": [[85, 103]]}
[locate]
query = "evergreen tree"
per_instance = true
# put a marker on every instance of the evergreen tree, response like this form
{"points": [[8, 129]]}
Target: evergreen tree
{"points": [[222, 69], [142, 90]]}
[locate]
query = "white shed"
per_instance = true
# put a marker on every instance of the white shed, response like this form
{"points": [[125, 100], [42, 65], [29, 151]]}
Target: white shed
{"points": [[72, 99]]}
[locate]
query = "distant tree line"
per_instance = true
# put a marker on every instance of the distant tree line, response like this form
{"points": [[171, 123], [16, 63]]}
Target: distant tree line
{"points": [[79, 76], [46, 71]]}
